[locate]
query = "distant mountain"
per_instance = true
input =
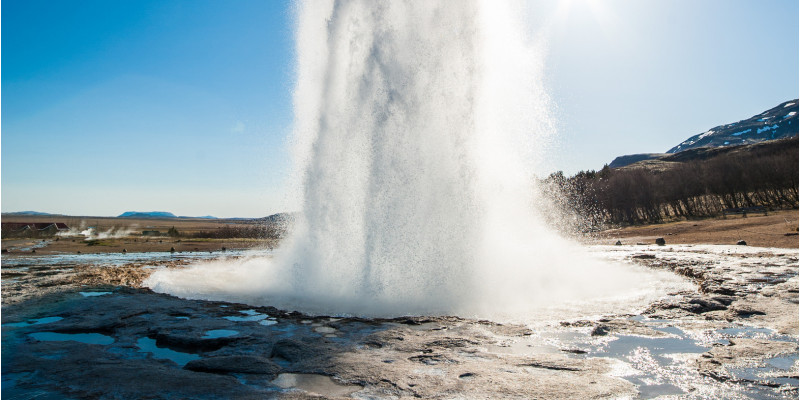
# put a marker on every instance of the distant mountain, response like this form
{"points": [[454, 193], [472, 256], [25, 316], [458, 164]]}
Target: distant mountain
{"points": [[622, 161], [147, 214], [36, 213], [776, 123], [747, 151]]}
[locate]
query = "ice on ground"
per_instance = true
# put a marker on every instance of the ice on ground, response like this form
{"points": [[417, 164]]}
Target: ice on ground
{"points": [[740, 133], [767, 128], [706, 134]]}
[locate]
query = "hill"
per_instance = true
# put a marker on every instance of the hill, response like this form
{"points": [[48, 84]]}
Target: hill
{"points": [[32, 213], [147, 214], [776, 123]]}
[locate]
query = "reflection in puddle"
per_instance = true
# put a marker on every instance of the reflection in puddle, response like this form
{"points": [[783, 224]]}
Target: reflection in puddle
{"points": [[313, 383], [88, 338], [324, 329], [93, 294], [219, 333], [251, 315], [149, 346], [39, 321]]}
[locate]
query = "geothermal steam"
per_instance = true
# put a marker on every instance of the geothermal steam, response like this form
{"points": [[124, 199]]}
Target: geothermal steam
{"points": [[418, 125]]}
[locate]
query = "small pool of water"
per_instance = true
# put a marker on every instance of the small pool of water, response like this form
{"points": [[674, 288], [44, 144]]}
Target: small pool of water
{"points": [[88, 338], [219, 333], [249, 315], [38, 321], [93, 294], [148, 345], [324, 329], [313, 383]]}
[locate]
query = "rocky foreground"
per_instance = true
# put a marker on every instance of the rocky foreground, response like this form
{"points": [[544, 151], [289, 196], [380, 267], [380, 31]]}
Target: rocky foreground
{"points": [[94, 332]]}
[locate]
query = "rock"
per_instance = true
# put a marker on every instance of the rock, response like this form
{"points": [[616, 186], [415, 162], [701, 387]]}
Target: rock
{"points": [[618, 243], [701, 305], [289, 349], [5, 251], [124, 250], [241, 364], [741, 243], [601, 330], [171, 249], [660, 241], [716, 362]]}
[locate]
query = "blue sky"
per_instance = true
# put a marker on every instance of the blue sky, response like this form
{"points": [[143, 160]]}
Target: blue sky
{"points": [[185, 106]]}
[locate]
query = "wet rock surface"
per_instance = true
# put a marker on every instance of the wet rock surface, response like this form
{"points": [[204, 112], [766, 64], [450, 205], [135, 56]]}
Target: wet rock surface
{"points": [[735, 337]]}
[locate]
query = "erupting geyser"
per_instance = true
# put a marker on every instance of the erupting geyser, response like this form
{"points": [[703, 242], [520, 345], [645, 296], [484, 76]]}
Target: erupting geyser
{"points": [[417, 130]]}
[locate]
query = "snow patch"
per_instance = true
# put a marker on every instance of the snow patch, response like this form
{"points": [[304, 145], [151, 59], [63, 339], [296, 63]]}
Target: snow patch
{"points": [[788, 105], [705, 134], [789, 115], [740, 133], [766, 128]]}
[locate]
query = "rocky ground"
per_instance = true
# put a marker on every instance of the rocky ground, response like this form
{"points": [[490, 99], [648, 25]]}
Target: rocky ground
{"points": [[130, 244], [92, 331]]}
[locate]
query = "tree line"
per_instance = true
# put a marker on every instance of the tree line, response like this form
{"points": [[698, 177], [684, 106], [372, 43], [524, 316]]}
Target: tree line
{"points": [[759, 175]]}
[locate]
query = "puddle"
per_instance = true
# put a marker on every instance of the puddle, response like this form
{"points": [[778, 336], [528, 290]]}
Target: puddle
{"points": [[251, 315], [219, 333], [148, 345], [183, 318], [785, 363], [625, 344], [39, 321], [313, 383], [93, 294], [324, 329], [88, 338], [268, 322]]}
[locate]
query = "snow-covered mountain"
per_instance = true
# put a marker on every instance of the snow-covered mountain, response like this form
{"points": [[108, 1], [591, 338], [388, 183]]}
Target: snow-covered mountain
{"points": [[778, 122]]}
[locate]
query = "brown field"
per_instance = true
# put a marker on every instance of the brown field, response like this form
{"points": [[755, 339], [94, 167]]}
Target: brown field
{"points": [[133, 241], [776, 229]]}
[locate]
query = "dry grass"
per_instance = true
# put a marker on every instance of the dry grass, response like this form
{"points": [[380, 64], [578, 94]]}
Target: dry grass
{"points": [[777, 229]]}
